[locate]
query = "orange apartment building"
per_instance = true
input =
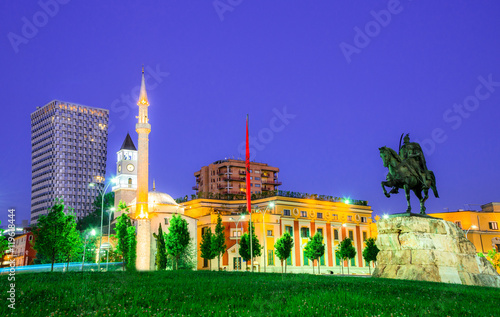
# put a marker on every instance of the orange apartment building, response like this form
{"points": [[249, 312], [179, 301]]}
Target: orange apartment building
{"points": [[229, 176]]}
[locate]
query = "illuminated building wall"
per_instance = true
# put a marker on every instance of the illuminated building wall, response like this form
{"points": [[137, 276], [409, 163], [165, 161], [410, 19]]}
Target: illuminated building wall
{"points": [[301, 217], [68, 151]]}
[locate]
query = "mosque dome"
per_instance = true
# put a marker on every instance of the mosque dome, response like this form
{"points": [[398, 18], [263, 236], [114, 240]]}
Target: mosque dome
{"points": [[158, 198]]}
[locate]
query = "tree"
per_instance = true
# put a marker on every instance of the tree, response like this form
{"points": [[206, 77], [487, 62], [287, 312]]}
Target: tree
{"points": [[132, 244], [161, 251], [122, 224], [50, 233], [93, 219], [315, 248], [219, 245], [283, 248], [71, 243], [177, 239], [245, 246], [370, 252], [346, 251], [206, 246], [494, 258], [4, 243]]}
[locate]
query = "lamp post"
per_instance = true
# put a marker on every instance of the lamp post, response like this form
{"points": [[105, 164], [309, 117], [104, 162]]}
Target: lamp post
{"points": [[471, 227], [237, 222], [102, 192], [110, 211], [85, 246], [263, 212]]}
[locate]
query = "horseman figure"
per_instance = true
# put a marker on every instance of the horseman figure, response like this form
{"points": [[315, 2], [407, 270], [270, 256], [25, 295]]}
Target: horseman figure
{"points": [[408, 170]]}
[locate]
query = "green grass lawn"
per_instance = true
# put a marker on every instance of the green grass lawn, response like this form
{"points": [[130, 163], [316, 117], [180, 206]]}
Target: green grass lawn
{"points": [[239, 294]]}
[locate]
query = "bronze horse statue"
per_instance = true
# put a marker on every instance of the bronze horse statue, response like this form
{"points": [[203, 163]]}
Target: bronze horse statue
{"points": [[403, 174]]}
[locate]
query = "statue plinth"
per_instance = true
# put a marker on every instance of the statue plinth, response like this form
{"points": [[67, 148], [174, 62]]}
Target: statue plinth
{"points": [[430, 249]]}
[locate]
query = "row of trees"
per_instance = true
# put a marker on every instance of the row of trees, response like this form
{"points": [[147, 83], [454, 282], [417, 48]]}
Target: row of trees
{"points": [[59, 238], [213, 245]]}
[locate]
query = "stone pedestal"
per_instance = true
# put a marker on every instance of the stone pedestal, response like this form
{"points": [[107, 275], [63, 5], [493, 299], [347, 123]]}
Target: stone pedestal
{"points": [[143, 244], [427, 249]]}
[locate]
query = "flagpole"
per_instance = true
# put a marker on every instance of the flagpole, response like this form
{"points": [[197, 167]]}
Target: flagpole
{"points": [[249, 204]]}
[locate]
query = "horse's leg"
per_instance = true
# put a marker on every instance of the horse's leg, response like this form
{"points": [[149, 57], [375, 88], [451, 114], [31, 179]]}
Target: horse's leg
{"points": [[407, 193], [418, 193], [384, 183]]}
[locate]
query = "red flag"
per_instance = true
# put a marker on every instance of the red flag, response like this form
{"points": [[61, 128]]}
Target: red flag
{"points": [[248, 173]]}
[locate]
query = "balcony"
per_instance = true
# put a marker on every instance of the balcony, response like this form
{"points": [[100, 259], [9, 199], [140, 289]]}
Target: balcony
{"points": [[223, 172], [196, 187], [224, 186], [271, 182], [233, 178]]}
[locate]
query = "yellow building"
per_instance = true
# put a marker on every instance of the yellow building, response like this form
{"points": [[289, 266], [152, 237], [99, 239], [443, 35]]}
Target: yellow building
{"points": [[272, 216], [481, 227]]}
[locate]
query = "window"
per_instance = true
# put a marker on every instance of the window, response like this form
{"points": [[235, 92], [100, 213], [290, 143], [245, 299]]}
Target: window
{"points": [[205, 262], [236, 233], [335, 217], [270, 257], [459, 224], [306, 260], [269, 233], [364, 235], [31, 238], [166, 222], [257, 185], [493, 225], [289, 229], [322, 260], [320, 215], [304, 232], [353, 262], [363, 219], [335, 234], [303, 214], [289, 260], [337, 260], [237, 263], [257, 178], [351, 235], [286, 212], [320, 230], [349, 218]]}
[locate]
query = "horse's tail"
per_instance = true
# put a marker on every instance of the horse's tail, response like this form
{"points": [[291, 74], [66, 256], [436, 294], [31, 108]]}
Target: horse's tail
{"points": [[433, 184]]}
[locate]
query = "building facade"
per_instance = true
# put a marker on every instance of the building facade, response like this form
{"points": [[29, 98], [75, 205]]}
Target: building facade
{"points": [[229, 177], [24, 253], [272, 217], [481, 226], [68, 152]]}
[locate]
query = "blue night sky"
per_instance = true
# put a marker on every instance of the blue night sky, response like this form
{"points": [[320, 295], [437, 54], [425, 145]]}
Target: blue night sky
{"points": [[322, 95]]}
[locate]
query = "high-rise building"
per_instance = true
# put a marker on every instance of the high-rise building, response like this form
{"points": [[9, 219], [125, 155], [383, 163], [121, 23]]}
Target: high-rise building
{"points": [[228, 177], [68, 152]]}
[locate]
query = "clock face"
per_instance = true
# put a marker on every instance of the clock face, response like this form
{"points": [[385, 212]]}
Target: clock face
{"points": [[130, 168], [119, 168]]}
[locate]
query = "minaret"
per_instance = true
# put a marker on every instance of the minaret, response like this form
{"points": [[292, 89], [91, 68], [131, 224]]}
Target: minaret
{"points": [[143, 128], [141, 210]]}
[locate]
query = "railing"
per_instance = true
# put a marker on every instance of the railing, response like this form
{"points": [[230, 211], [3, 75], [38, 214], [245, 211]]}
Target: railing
{"points": [[237, 195], [271, 182]]}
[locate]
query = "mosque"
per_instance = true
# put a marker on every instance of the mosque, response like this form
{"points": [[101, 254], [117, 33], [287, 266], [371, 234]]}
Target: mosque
{"points": [[301, 216], [149, 209]]}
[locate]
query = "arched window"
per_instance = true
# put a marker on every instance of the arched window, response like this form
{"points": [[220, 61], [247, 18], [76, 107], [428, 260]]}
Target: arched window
{"points": [[130, 182]]}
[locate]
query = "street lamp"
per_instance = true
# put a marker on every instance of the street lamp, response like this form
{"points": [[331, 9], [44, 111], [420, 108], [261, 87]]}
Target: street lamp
{"points": [[102, 192], [268, 208], [471, 227], [85, 246], [237, 222], [110, 211]]}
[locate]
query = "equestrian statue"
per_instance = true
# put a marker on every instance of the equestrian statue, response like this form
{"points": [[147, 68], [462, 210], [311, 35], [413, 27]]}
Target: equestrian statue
{"points": [[408, 170]]}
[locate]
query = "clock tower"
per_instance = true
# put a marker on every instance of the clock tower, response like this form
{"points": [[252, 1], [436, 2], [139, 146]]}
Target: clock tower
{"points": [[126, 171]]}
